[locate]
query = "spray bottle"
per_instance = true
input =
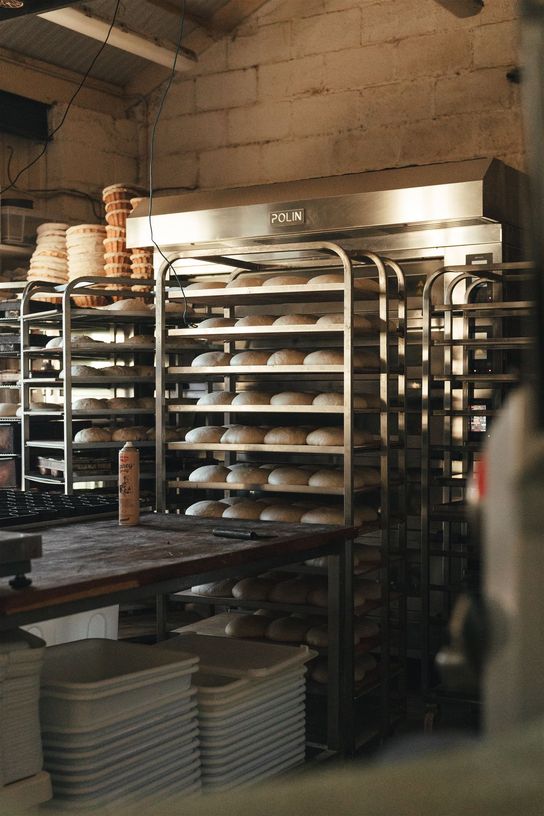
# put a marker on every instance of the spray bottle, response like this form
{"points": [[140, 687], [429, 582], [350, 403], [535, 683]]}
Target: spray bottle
{"points": [[129, 485]]}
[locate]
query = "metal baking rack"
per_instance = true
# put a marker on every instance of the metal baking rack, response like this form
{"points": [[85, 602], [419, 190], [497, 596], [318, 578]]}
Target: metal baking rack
{"points": [[474, 344], [66, 319], [175, 376]]}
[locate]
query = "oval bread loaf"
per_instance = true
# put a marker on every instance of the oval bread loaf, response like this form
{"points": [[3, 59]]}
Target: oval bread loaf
{"points": [[286, 280], [209, 473], [212, 358], [286, 357], [287, 630], [250, 358], [335, 515], [206, 509], [365, 628], [122, 403], [90, 404], [255, 320], [359, 400], [366, 285], [218, 589], [247, 626], [83, 371], [216, 398], [248, 510], [207, 284], [366, 554], [286, 436], [170, 434], [361, 323], [335, 436], [294, 590], [247, 474], [361, 359], [253, 589], [282, 512], [292, 398], [245, 280], [216, 323], [206, 433], [93, 435], [244, 434], [8, 409], [295, 320], [331, 477], [288, 475], [141, 340], [251, 398], [135, 433]]}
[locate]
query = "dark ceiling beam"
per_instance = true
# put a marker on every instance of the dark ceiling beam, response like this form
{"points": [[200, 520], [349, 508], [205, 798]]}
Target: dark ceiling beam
{"points": [[201, 22], [31, 7]]}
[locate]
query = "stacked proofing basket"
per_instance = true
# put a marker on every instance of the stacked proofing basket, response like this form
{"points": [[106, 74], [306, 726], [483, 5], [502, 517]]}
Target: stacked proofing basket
{"points": [[119, 723], [119, 201], [251, 708]]}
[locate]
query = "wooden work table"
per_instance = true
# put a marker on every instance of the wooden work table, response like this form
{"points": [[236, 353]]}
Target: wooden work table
{"points": [[96, 563]]}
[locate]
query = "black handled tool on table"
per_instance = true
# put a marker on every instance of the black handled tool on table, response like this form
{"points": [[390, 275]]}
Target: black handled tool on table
{"points": [[248, 535]]}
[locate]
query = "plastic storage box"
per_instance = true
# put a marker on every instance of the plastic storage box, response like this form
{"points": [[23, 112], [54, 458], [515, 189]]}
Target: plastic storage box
{"points": [[18, 225], [96, 623]]}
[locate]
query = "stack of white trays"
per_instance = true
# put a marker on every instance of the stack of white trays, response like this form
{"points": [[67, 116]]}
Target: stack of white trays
{"points": [[21, 658], [251, 708], [119, 723]]}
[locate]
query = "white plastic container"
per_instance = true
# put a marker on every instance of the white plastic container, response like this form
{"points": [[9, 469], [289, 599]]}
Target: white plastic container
{"points": [[97, 623], [89, 681]]}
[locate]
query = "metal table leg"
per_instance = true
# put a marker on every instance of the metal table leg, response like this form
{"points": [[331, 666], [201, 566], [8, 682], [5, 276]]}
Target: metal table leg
{"points": [[340, 725]]}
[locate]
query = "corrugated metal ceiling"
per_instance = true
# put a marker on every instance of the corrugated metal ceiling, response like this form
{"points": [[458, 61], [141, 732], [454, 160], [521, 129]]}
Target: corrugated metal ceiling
{"points": [[41, 39]]}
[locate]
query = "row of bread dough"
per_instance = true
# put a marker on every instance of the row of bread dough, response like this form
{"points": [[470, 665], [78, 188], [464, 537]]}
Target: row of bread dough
{"points": [[367, 360], [78, 340], [324, 400], [309, 590], [361, 323], [119, 403], [272, 510], [289, 435], [312, 475], [111, 371], [272, 625], [133, 433], [365, 284]]}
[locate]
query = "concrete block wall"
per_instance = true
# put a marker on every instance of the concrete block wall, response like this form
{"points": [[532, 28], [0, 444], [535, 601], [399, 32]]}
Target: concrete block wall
{"points": [[322, 87]]}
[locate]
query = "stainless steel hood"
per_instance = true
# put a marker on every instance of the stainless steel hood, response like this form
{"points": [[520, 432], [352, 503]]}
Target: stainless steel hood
{"points": [[377, 203]]}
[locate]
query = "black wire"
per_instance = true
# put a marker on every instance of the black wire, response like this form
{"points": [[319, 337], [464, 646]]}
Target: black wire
{"points": [[13, 182], [151, 160]]}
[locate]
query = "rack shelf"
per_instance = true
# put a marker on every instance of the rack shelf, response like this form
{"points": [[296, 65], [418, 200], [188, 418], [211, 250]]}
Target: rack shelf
{"points": [[270, 488]]}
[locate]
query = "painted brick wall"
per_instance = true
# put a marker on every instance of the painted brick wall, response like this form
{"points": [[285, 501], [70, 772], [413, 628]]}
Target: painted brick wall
{"points": [[321, 87]]}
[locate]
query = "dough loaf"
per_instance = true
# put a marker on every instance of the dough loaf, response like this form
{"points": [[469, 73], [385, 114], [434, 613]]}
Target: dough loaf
{"points": [[287, 630], [292, 398], [207, 284], [251, 398], [218, 589], [206, 509], [209, 473], [216, 398], [335, 436], [122, 403], [216, 322], [247, 626], [331, 477], [141, 340], [135, 433], [286, 280], [140, 371], [365, 324], [83, 371], [282, 512], [8, 409], [255, 320], [245, 280], [286, 357], [286, 436], [133, 305], [367, 360], [250, 358], [206, 433], [146, 402], [253, 589], [295, 320], [365, 628], [359, 400], [170, 434], [55, 342], [362, 284], [288, 475], [212, 358], [244, 434], [335, 515], [293, 591], [248, 510], [93, 435], [90, 404], [247, 474]]}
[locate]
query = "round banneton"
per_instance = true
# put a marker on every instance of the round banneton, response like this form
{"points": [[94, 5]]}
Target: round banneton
{"points": [[120, 204], [115, 232], [117, 257], [51, 226], [114, 245], [117, 218], [85, 229], [135, 202], [51, 238], [50, 253], [47, 260]]}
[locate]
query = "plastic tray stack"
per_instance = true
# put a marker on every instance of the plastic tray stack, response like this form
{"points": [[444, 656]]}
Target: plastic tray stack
{"points": [[119, 723], [21, 657], [251, 708]]}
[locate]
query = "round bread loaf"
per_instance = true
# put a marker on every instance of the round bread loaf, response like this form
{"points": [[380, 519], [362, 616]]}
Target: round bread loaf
{"points": [[253, 589], [206, 509], [93, 435], [364, 628], [286, 280], [134, 433], [141, 340], [249, 510], [362, 284], [90, 404], [212, 358], [292, 398], [244, 434], [83, 340], [288, 475], [209, 473], [245, 280], [364, 324], [287, 630], [205, 284], [8, 409], [359, 400], [146, 402], [318, 636], [83, 371], [367, 360], [335, 515], [40, 406], [250, 358], [206, 433], [335, 436], [251, 398], [295, 320], [218, 589], [170, 434], [282, 512], [216, 322], [55, 342], [232, 500], [286, 357], [140, 371], [247, 474], [332, 477], [216, 398], [122, 403], [255, 320], [117, 371], [247, 626], [293, 591], [133, 305], [286, 436], [366, 554]]}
